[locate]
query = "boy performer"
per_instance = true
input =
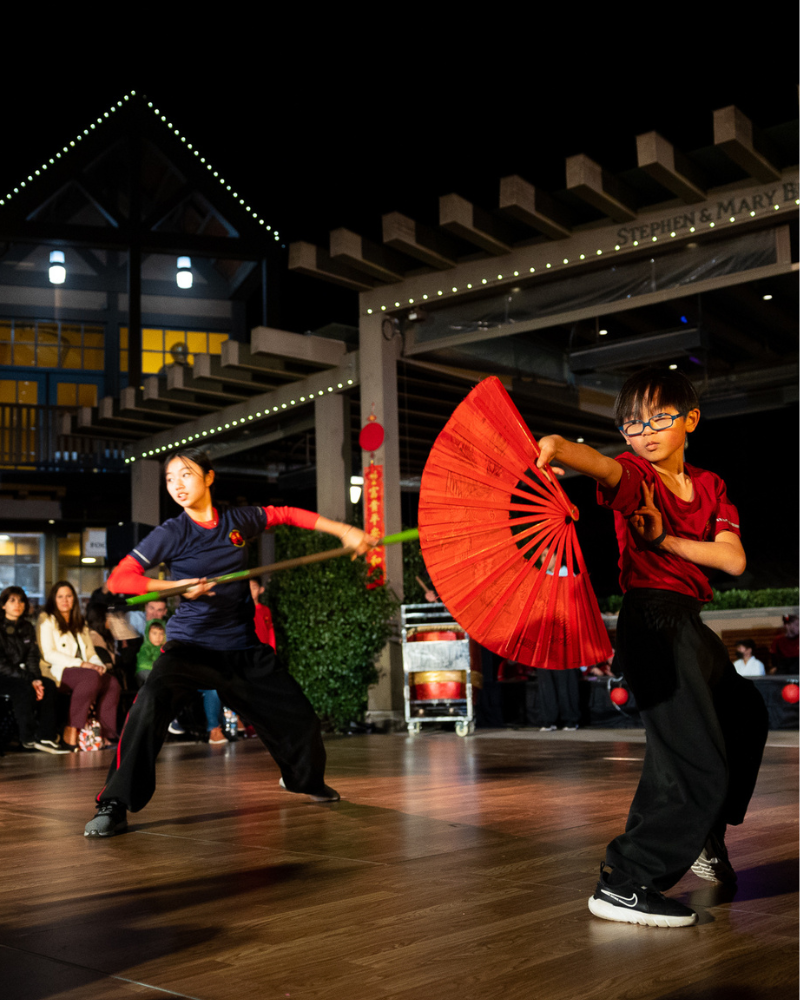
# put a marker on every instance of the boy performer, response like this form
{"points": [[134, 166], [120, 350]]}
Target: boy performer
{"points": [[706, 726]]}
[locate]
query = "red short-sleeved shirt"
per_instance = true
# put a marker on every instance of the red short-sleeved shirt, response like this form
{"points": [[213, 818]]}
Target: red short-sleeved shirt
{"points": [[701, 519]]}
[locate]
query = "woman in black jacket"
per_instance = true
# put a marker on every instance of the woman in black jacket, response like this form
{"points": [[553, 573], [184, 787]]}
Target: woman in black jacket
{"points": [[33, 696]]}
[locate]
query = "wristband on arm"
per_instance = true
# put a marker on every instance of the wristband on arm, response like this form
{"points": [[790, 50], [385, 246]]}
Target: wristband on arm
{"points": [[656, 542]]}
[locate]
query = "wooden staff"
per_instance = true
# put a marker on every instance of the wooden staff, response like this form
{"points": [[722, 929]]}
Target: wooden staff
{"points": [[247, 574]]}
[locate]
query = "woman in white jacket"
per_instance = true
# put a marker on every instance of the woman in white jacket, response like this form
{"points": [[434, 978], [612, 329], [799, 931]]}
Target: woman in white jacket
{"points": [[71, 660]]}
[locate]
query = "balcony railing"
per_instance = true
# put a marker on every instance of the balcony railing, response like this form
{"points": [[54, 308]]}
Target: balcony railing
{"points": [[31, 438]]}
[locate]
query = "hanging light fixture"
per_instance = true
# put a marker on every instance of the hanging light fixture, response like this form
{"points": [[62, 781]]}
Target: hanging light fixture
{"points": [[184, 276], [356, 483], [58, 272]]}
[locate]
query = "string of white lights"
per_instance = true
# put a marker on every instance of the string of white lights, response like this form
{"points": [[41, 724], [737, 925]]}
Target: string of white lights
{"points": [[308, 397], [163, 118], [618, 248]]}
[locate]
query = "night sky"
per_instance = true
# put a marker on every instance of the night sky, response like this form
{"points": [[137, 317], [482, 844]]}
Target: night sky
{"points": [[323, 127]]}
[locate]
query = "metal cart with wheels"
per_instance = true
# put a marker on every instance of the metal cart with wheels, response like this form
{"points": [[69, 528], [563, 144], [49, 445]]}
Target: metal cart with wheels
{"points": [[438, 682]]}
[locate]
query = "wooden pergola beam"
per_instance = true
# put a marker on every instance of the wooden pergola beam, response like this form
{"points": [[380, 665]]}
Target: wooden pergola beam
{"points": [[364, 255], [156, 388], [235, 354], [322, 351], [670, 167], [413, 238], [742, 142], [473, 224], [532, 206], [210, 367], [305, 258], [589, 181], [181, 377]]}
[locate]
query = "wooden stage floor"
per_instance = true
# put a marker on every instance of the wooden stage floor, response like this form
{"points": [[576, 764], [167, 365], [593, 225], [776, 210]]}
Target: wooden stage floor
{"points": [[453, 868]]}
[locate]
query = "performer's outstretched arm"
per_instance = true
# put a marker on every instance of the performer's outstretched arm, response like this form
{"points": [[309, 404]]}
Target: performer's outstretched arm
{"points": [[580, 457]]}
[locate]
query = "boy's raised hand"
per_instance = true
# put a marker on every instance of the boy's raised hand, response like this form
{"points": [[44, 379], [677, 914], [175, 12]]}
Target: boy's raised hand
{"points": [[647, 520]]}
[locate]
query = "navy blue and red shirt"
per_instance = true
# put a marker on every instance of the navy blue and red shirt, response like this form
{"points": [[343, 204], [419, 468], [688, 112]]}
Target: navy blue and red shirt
{"points": [[701, 519], [191, 549]]}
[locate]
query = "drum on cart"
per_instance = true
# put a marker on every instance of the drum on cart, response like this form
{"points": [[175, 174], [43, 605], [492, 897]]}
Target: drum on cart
{"points": [[439, 680]]}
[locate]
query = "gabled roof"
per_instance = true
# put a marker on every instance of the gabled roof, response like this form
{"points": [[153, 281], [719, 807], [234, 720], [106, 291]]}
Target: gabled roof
{"points": [[86, 193]]}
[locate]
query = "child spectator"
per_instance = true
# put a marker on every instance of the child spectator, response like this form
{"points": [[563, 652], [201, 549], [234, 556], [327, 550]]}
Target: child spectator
{"points": [[706, 726], [156, 636], [747, 665]]}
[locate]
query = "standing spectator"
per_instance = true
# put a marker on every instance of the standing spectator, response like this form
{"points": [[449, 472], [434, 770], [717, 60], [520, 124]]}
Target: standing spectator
{"points": [[265, 630], [784, 651], [74, 665], [138, 619], [747, 665], [33, 696]]}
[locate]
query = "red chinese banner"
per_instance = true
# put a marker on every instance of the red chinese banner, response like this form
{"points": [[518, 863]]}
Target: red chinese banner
{"points": [[373, 522]]}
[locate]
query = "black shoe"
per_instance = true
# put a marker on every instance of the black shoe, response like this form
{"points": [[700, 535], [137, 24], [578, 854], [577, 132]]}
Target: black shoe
{"points": [[636, 904], [713, 863], [327, 794], [111, 819]]}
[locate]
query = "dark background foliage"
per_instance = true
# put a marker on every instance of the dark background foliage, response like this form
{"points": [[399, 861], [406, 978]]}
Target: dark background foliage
{"points": [[330, 628]]}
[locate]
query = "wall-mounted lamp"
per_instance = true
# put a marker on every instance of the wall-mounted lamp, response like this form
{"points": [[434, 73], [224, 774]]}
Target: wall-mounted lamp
{"points": [[58, 273], [356, 482], [184, 275]]}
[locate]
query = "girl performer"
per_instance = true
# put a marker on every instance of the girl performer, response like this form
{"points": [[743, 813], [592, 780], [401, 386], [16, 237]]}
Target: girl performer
{"points": [[211, 643]]}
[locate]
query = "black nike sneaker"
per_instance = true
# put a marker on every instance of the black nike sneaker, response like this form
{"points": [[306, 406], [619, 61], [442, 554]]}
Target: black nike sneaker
{"points": [[636, 904]]}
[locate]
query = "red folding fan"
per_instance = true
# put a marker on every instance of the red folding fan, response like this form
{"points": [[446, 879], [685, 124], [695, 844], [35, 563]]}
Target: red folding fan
{"points": [[498, 538]]}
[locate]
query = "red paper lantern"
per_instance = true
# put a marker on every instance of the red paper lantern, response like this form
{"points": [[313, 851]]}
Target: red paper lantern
{"points": [[619, 696], [791, 693], [371, 436]]}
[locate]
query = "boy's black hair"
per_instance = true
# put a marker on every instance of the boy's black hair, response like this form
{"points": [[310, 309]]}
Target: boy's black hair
{"points": [[748, 644], [654, 386]]}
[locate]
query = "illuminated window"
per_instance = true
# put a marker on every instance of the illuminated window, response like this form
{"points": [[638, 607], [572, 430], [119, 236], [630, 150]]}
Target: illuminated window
{"points": [[22, 563], [76, 394], [40, 344], [18, 391], [163, 348]]}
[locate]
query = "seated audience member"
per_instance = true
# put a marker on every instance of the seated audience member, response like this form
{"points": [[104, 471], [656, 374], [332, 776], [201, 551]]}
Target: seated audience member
{"points": [[33, 696], [70, 658], [103, 641], [784, 651], [150, 651], [747, 665], [153, 610]]}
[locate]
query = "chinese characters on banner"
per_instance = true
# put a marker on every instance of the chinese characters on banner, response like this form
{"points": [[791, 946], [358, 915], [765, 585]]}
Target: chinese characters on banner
{"points": [[373, 522]]}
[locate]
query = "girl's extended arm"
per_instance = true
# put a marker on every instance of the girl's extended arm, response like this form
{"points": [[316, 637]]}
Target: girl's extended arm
{"points": [[347, 533]]}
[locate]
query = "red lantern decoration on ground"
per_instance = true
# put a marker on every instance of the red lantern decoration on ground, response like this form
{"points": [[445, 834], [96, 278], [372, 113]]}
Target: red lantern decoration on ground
{"points": [[619, 696], [791, 693]]}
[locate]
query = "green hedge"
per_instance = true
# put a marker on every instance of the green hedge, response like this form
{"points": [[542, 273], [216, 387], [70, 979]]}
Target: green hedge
{"points": [[329, 627], [727, 600]]}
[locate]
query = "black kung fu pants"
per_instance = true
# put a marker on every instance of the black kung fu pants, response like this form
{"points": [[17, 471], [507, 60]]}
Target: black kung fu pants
{"points": [[706, 729], [249, 681]]}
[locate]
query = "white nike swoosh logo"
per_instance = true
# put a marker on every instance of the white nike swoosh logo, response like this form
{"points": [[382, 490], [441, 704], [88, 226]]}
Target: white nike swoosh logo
{"points": [[630, 901]]}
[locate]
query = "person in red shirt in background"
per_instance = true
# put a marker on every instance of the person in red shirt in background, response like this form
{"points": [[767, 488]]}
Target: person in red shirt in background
{"points": [[785, 648], [706, 726], [264, 627]]}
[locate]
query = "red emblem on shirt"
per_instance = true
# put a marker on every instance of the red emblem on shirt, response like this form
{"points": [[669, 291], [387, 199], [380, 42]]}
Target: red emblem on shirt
{"points": [[236, 537]]}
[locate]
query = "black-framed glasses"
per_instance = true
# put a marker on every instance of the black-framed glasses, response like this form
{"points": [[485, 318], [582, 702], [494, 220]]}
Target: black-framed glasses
{"points": [[660, 422]]}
